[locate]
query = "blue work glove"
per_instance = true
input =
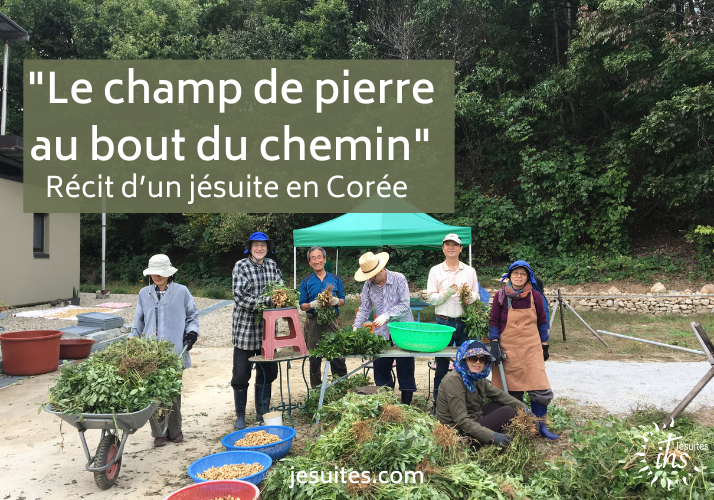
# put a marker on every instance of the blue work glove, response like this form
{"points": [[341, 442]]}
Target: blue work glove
{"points": [[189, 339], [496, 352], [502, 440], [545, 352]]}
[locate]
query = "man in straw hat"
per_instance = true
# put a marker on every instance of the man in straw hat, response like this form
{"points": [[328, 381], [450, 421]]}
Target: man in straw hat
{"points": [[388, 293], [250, 275], [167, 311]]}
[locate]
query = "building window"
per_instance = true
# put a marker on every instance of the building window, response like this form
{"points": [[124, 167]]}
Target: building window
{"points": [[39, 236]]}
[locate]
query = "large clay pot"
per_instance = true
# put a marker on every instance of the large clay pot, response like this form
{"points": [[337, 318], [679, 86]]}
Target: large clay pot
{"points": [[30, 353]]}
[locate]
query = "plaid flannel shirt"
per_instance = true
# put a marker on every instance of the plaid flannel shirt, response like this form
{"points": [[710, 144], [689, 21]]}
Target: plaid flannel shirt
{"points": [[249, 280]]}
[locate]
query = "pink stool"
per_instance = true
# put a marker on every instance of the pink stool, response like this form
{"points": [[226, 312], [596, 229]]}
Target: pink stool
{"points": [[296, 340]]}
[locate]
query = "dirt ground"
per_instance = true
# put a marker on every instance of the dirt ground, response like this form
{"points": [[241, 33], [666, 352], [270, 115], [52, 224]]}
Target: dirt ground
{"points": [[39, 460]]}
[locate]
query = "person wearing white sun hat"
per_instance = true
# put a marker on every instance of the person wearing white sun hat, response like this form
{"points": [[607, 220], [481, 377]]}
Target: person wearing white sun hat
{"points": [[166, 310], [388, 293]]}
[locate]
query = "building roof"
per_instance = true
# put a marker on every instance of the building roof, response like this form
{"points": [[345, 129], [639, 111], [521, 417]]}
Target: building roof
{"points": [[11, 150], [10, 31]]}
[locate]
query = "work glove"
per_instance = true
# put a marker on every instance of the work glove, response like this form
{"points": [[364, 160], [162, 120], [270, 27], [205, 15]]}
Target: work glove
{"points": [[471, 299], [335, 301], [265, 299], [496, 352], [450, 290], [502, 440], [189, 339], [545, 352], [314, 304], [382, 319]]}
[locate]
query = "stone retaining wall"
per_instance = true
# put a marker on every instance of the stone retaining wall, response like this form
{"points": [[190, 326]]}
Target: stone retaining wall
{"points": [[654, 304]]}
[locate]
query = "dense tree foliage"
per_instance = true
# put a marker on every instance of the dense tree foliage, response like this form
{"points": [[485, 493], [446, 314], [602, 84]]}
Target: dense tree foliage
{"points": [[578, 125]]}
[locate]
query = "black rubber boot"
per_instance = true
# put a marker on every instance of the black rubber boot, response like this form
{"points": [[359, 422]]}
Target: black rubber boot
{"points": [[264, 407], [407, 397], [240, 397]]}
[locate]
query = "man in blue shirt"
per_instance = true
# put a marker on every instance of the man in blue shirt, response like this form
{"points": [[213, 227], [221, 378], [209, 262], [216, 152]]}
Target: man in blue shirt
{"points": [[310, 287]]}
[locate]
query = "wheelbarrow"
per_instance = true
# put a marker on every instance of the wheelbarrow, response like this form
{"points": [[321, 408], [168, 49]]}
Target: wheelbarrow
{"points": [[106, 462]]}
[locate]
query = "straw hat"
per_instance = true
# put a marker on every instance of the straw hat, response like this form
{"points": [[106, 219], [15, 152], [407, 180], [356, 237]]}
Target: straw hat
{"points": [[370, 264], [161, 266]]}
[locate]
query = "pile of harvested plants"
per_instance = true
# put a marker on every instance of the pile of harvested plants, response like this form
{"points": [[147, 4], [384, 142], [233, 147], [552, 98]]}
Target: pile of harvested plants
{"points": [[326, 313], [346, 342], [370, 434], [123, 378], [280, 296], [476, 315]]}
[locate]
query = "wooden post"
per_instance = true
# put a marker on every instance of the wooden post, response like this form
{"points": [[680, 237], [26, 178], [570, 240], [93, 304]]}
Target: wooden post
{"points": [[586, 325], [708, 347], [562, 319]]}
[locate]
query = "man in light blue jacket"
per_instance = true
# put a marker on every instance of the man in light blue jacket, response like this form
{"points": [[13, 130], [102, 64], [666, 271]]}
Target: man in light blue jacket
{"points": [[166, 310]]}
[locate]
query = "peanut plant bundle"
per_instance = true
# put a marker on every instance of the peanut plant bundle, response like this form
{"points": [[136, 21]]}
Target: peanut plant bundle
{"points": [[123, 378]]}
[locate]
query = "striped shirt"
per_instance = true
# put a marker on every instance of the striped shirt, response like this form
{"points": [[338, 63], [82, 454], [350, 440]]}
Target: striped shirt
{"points": [[249, 280], [392, 300]]}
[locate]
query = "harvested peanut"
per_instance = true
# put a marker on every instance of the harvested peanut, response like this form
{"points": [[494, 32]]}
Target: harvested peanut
{"points": [[231, 471], [258, 438]]}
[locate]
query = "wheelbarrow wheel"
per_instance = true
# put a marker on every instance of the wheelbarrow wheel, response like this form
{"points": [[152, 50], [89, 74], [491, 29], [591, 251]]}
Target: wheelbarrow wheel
{"points": [[106, 451]]}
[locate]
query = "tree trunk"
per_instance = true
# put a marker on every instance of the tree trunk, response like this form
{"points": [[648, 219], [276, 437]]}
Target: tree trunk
{"points": [[557, 50]]}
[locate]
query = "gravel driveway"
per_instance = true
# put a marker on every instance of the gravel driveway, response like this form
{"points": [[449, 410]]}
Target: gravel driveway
{"points": [[618, 386]]}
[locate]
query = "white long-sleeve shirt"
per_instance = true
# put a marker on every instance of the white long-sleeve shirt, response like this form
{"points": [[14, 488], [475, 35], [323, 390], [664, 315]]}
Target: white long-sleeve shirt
{"points": [[440, 278]]}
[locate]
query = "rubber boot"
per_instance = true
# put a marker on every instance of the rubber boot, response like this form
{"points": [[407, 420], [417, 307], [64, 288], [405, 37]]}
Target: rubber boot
{"points": [[240, 397], [407, 397], [264, 406], [541, 411]]}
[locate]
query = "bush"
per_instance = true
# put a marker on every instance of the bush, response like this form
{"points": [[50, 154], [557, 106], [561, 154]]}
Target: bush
{"points": [[216, 292]]}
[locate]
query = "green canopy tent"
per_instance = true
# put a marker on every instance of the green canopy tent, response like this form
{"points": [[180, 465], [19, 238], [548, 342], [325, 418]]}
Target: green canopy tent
{"points": [[374, 230]]}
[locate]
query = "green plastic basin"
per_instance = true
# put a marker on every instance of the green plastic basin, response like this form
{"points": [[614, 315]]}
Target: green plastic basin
{"points": [[422, 337]]}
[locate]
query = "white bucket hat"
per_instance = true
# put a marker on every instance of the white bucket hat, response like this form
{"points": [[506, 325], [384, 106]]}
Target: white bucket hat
{"points": [[370, 264], [160, 265]]}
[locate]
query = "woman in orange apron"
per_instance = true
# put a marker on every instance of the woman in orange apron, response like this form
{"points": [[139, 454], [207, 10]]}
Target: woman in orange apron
{"points": [[518, 331]]}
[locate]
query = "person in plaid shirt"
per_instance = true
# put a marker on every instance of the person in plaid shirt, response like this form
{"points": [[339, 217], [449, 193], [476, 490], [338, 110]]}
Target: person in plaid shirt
{"points": [[250, 275]]}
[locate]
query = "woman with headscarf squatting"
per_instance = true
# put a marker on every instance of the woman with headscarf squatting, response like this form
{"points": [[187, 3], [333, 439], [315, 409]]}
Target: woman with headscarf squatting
{"points": [[462, 395], [518, 331]]}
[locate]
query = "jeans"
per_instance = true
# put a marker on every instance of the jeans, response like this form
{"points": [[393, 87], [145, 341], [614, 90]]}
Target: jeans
{"points": [[241, 370], [442, 364]]}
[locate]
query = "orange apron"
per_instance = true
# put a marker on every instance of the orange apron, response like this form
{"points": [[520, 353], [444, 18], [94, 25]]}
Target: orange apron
{"points": [[520, 341]]}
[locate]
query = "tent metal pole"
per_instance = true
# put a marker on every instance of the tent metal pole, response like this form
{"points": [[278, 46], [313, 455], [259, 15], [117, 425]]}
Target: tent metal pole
{"points": [[470, 256], [337, 259], [294, 267]]}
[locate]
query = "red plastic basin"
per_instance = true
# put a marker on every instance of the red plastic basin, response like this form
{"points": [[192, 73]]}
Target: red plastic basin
{"points": [[217, 489], [30, 353], [75, 348]]}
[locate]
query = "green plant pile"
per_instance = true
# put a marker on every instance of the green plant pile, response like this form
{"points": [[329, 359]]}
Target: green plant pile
{"points": [[280, 296], [600, 459], [374, 433], [335, 392], [476, 315], [123, 378], [346, 342]]}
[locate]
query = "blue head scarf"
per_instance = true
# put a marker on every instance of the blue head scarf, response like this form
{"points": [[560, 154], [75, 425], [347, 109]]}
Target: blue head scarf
{"points": [[519, 263], [468, 349]]}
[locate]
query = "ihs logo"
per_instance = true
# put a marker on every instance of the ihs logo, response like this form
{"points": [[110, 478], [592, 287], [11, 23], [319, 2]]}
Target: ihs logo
{"points": [[669, 454]]}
